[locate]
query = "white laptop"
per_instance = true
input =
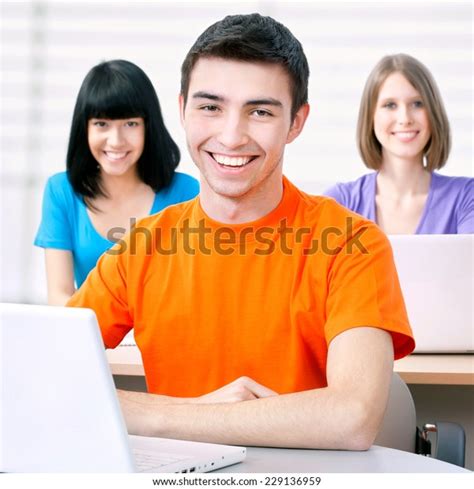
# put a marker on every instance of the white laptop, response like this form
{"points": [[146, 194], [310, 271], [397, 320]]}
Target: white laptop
{"points": [[436, 276], [58, 406]]}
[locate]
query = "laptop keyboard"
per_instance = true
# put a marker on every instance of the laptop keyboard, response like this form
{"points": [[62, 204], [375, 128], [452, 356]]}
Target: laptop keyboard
{"points": [[147, 460]]}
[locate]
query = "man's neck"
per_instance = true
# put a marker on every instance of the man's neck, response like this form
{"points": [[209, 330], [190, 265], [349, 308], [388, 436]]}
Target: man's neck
{"points": [[248, 207]]}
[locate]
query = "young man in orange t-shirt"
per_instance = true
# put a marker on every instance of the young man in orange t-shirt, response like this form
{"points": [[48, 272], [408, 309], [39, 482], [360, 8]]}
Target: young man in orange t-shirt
{"points": [[264, 316]]}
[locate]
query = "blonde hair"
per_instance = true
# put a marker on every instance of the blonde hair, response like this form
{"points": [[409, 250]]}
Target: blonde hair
{"points": [[437, 149]]}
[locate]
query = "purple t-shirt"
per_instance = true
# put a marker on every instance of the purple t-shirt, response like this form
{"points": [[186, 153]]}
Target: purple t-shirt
{"points": [[449, 208]]}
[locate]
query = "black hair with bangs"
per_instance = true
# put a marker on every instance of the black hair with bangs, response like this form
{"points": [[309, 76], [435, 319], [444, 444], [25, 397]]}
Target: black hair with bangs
{"points": [[119, 89]]}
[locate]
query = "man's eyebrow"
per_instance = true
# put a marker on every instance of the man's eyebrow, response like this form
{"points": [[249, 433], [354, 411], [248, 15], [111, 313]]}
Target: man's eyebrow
{"points": [[218, 98], [265, 101], [209, 96]]}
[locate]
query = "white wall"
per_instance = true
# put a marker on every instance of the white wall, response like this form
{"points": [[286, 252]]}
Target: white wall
{"points": [[48, 47]]}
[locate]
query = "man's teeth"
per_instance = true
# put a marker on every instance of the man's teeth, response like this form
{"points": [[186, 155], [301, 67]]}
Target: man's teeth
{"points": [[231, 160], [115, 156]]}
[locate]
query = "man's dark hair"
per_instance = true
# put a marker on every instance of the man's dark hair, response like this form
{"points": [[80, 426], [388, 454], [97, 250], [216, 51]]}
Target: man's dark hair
{"points": [[252, 38], [119, 89]]}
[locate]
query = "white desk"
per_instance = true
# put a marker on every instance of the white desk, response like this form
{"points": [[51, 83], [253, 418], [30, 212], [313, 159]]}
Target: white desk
{"points": [[447, 370], [377, 459]]}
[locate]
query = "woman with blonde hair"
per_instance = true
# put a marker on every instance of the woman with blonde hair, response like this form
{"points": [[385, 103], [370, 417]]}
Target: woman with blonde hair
{"points": [[403, 134]]}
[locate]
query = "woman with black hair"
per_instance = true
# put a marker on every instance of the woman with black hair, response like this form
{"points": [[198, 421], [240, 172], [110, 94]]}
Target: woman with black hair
{"points": [[121, 164]]}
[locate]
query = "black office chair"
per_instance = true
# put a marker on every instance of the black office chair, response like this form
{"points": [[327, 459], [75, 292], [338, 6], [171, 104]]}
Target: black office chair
{"points": [[399, 429]]}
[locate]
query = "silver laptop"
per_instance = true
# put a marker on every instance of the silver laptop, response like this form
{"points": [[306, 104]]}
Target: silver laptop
{"points": [[58, 406], [436, 276]]}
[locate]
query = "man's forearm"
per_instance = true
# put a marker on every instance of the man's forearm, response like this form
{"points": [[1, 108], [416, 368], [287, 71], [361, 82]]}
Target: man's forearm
{"points": [[291, 420], [344, 415]]}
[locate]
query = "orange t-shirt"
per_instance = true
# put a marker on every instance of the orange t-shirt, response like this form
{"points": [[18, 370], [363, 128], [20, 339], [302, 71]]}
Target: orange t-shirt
{"points": [[211, 302]]}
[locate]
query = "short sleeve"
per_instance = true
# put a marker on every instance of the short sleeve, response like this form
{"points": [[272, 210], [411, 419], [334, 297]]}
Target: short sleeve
{"points": [[364, 290], [105, 292], [55, 229], [465, 215]]}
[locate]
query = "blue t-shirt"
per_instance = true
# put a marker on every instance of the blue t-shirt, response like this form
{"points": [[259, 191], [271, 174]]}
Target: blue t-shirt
{"points": [[449, 207], [65, 224]]}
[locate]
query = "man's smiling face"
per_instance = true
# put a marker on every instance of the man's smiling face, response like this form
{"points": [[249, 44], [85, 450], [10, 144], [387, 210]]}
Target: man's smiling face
{"points": [[237, 120]]}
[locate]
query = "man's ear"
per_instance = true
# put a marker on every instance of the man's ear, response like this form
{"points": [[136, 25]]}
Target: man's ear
{"points": [[298, 123], [181, 108]]}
